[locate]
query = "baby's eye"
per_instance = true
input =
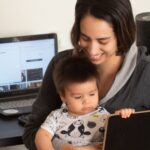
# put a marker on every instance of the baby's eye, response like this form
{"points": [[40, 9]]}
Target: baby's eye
{"points": [[77, 97], [92, 94]]}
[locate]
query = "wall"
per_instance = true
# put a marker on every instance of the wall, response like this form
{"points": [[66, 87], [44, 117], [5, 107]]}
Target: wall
{"points": [[140, 6], [23, 17]]}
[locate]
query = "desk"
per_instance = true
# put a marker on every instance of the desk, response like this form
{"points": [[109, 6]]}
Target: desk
{"points": [[10, 132]]}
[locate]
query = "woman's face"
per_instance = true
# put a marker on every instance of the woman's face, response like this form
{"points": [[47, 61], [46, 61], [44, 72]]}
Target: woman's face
{"points": [[98, 39]]}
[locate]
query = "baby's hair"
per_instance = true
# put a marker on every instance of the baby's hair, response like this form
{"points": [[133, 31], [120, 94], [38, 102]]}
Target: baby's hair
{"points": [[74, 69]]}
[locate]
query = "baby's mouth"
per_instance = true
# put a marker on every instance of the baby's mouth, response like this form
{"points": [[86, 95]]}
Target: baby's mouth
{"points": [[88, 109]]}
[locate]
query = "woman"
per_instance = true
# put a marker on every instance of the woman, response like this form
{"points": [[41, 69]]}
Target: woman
{"points": [[104, 31]]}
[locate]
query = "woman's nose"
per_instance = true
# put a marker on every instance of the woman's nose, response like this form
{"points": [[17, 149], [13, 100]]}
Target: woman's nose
{"points": [[93, 48]]}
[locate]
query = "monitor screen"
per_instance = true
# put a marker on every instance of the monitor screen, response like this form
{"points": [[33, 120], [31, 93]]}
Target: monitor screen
{"points": [[23, 62]]}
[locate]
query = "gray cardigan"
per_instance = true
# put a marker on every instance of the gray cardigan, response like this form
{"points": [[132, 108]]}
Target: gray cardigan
{"points": [[135, 93]]}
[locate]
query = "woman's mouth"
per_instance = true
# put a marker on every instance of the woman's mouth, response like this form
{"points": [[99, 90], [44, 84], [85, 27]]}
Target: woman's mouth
{"points": [[96, 57]]}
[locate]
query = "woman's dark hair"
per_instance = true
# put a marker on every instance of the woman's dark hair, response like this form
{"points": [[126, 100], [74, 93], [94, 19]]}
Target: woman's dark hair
{"points": [[116, 12], [74, 69]]}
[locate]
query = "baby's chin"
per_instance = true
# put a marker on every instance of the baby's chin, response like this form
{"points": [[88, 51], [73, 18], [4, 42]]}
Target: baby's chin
{"points": [[83, 111]]}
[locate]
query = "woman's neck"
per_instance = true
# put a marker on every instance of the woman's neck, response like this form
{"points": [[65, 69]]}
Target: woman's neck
{"points": [[110, 67], [108, 72]]}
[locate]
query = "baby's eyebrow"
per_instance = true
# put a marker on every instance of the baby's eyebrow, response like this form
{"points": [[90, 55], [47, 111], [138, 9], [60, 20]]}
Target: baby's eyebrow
{"points": [[78, 94], [93, 91]]}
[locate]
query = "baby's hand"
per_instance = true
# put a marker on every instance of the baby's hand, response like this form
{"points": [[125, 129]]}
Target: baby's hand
{"points": [[67, 147], [88, 147], [125, 112]]}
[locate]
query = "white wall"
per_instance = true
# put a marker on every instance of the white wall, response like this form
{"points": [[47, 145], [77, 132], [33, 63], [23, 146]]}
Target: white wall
{"points": [[23, 17], [140, 6]]}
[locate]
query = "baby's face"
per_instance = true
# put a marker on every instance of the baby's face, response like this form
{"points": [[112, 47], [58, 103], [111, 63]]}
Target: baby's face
{"points": [[81, 98]]}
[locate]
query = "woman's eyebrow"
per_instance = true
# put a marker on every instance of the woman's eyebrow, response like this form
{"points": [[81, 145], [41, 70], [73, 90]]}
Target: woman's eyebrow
{"points": [[101, 38], [84, 35]]}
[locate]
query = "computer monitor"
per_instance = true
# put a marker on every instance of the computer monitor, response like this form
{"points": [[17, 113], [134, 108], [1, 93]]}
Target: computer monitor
{"points": [[23, 62]]}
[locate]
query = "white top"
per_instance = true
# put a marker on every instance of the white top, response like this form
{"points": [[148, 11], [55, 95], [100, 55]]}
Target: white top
{"points": [[76, 130]]}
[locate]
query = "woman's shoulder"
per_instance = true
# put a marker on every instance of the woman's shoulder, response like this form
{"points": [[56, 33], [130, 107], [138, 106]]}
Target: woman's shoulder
{"points": [[61, 54], [143, 54], [64, 53], [143, 61]]}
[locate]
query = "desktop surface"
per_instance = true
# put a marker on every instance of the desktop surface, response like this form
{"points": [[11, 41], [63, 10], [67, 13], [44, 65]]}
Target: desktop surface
{"points": [[10, 131]]}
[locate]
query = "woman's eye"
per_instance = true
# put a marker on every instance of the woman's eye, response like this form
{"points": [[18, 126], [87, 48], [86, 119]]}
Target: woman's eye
{"points": [[102, 42], [84, 38]]}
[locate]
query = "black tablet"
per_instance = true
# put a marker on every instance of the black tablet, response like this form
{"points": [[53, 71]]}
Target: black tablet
{"points": [[128, 134]]}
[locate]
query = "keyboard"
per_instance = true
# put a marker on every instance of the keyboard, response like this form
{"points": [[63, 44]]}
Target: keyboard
{"points": [[16, 107], [17, 103]]}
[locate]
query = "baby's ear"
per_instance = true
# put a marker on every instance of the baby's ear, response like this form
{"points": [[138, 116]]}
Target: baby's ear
{"points": [[62, 97]]}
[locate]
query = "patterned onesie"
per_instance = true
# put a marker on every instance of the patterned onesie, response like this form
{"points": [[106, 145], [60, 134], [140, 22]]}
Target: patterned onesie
{"points": [[77, 130]]}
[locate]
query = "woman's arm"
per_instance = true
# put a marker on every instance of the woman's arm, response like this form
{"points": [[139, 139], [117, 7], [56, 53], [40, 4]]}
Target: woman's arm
{"points": [[47, 101]]}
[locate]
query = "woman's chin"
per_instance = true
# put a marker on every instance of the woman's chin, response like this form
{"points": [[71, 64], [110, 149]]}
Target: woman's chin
{"points": [[97, 62]]}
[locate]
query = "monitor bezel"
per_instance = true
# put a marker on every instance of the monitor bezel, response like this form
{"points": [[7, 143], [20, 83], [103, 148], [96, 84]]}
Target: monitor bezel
{"points": [[27, 38]]}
